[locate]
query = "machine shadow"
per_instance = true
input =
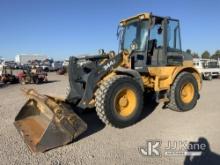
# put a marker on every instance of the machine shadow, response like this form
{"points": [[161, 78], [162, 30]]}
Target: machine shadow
{"points": [[149, 105], [51, 81], [206, 157], [94, 124]]}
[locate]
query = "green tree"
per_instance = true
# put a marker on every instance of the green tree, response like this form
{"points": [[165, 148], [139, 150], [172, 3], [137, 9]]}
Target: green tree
{"points": [[188, 51], [205, 54], [216, 55]]}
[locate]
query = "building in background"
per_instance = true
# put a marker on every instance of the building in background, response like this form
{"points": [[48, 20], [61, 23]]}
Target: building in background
{"points": [[25, 58]]}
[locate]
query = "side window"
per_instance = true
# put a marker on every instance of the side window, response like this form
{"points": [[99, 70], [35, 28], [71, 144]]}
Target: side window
{"points": [[130, 35], [173, 36], [143, 35], [157, 34]]}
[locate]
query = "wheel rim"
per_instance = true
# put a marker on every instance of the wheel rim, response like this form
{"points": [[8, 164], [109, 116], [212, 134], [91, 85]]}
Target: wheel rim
{"points": [[187, 92], [125, 102]]}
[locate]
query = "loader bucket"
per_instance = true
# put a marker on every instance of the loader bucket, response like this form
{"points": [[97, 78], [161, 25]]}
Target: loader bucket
{"points": [[45, 122]]}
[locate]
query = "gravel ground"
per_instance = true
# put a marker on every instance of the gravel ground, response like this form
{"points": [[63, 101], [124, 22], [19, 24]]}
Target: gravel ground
{"points": [[105, 145]]}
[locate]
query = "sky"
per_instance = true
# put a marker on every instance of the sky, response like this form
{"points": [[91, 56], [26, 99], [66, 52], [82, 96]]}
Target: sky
{"points": [[61, 28]]}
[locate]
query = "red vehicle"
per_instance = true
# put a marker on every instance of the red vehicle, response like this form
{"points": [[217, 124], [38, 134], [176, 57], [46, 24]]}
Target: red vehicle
{"points": [[35, 76]]}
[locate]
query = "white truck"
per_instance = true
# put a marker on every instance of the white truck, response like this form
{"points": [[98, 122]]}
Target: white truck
{"points": [[208, 68], [2, 63], [1, 69], [54, 66]]}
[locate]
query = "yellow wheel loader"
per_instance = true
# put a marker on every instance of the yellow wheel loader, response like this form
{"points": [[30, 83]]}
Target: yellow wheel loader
{"points": [[150, 60]]}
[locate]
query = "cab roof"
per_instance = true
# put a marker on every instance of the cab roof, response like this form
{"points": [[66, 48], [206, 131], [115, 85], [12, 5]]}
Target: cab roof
{"points": [[140, 16], [143, 16]]}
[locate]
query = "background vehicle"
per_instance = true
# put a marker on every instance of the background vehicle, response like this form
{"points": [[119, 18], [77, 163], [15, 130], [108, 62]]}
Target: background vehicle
{"points": [[150, 60], [35, 76], [61, 71], [6, 75], [1, 69], [65, 63], [51, 65], [208, 68], [56, 65]]}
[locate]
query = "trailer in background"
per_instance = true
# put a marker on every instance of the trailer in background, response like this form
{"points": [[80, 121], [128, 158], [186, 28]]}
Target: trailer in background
{"points": [[26, 58]]}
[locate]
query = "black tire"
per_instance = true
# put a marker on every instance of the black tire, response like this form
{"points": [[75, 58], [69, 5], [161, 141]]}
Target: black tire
{"points": [[46, 69], [176, 103], [5, 81], [36, 80], [22, 81], [209, 77], [105, 101]]}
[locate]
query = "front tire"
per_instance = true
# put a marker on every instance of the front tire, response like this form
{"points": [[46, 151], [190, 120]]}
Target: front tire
{"points": [[119, 101], [184, 93], [210, 77]]}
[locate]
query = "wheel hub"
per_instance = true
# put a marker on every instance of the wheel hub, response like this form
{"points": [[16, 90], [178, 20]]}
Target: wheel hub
{"points": [[125, 102], [187, 93]]}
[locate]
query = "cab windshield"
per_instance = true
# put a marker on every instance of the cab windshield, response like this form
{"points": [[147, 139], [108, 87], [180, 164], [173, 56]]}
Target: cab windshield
{"points": [[134, 35]]}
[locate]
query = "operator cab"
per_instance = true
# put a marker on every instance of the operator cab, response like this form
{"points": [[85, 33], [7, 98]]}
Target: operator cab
{"points": [[151, 41]]}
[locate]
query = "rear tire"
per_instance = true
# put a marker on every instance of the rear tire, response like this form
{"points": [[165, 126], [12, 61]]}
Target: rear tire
{"points": [[119, 101], [37, 81], [184, 93], [22, 81]]}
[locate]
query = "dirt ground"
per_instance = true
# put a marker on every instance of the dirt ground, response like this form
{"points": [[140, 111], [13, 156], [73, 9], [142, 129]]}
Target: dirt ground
{"points": [[105, 145]]}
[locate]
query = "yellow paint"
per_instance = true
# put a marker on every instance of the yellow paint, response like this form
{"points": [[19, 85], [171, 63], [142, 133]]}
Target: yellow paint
{"points": [[187, 93], [161, 78], [126, 62], [139, 16], [125, 102]]}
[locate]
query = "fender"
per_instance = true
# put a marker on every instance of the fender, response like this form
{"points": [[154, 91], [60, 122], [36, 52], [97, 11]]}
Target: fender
{"points": [[192, 70], [130, 72]]}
